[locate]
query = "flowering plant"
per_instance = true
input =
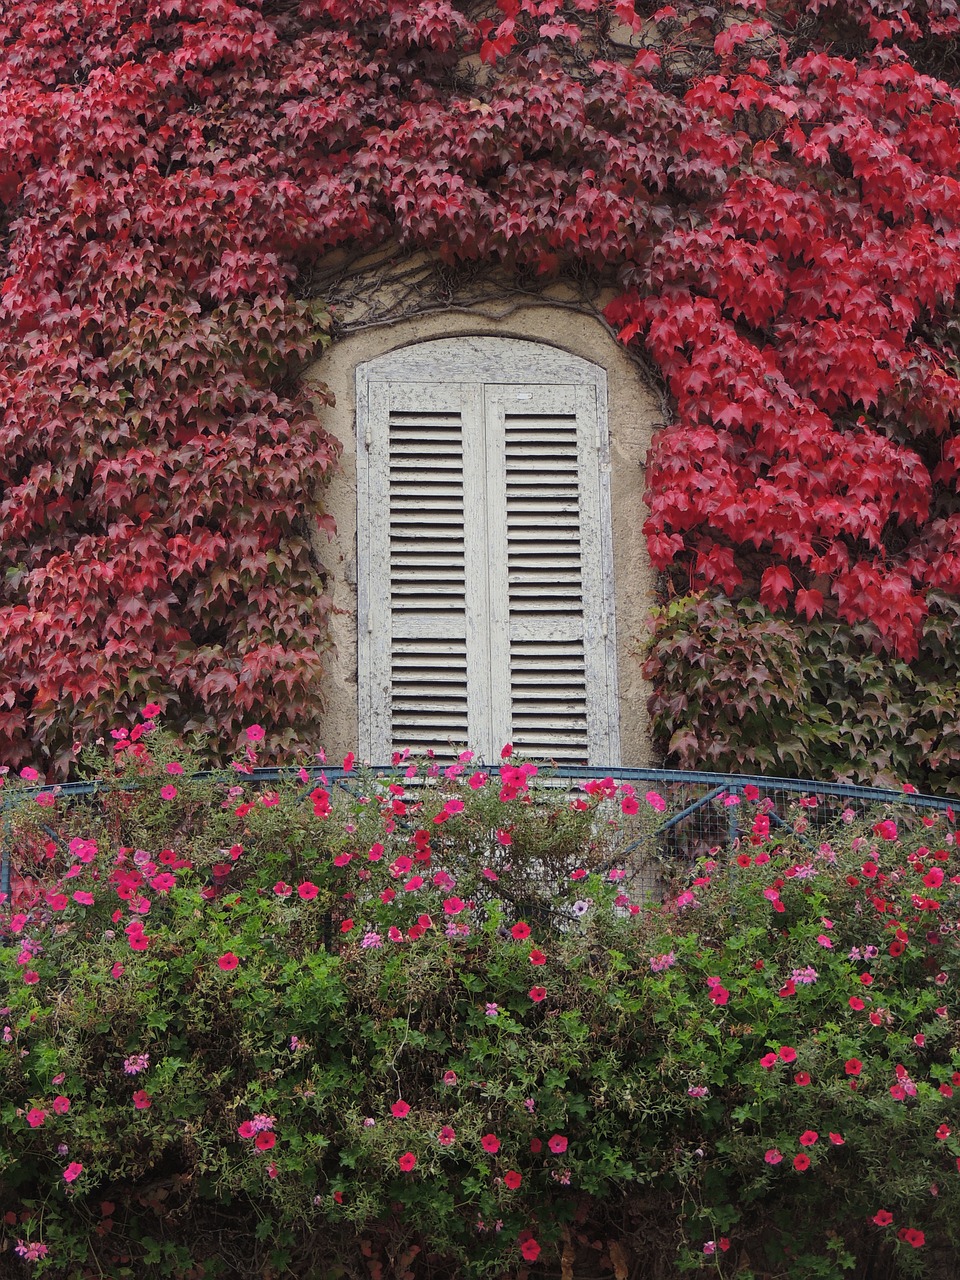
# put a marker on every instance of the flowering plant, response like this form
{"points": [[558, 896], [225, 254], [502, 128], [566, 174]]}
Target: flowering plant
{"points": [[435, 1014]]}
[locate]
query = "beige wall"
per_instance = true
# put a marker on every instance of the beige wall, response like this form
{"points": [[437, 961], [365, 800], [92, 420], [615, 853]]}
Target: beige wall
{"points": [[633, 410]]}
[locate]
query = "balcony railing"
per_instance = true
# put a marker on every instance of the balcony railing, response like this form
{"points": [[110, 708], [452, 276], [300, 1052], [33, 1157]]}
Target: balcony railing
{"points": [[701, 810]]}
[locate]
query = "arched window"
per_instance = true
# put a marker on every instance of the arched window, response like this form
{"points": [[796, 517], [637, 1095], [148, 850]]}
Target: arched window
{"points": [[484, 570]]}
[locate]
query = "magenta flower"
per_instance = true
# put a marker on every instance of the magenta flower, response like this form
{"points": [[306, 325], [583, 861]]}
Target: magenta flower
{"points": [[72, 1171], [558, 1144], [228, 961]]}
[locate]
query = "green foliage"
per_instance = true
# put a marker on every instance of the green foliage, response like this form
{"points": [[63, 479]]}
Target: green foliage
{"points": [[739, 688], [400, 1023]]}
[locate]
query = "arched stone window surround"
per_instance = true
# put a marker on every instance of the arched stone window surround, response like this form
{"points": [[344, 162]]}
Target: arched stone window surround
{"points": [[633, 410]]}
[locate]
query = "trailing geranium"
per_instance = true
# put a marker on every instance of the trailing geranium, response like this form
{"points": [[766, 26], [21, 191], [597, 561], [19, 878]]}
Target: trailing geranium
{"points": [[772, 193], [294, 1024]]}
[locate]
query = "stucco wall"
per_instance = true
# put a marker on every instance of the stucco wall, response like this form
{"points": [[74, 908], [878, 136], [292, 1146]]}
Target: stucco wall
{"points": [[633, 411]]}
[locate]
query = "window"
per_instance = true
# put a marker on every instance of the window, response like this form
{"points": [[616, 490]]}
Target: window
{"points": [[485, 608]]}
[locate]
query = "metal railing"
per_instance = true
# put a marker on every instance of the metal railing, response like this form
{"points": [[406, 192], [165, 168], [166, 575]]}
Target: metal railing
{"points": [[702, 810]]}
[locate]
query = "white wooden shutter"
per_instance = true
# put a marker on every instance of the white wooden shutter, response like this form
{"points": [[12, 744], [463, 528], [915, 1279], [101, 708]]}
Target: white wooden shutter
{"points": [[547, 572], [412, 605], [484, 593]]}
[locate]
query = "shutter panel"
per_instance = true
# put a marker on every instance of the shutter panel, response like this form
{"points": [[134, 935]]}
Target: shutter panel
{"points": [[547, 572], [414, 651]]}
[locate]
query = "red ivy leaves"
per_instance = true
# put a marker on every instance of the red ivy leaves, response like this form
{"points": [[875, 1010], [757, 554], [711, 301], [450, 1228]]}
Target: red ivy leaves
{"points": [[782, 232]]}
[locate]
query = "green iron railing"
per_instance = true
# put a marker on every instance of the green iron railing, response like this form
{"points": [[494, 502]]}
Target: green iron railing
{"points": [[703, 807]]}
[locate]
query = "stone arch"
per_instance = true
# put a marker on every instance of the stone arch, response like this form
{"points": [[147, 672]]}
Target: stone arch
{"points": [[633, 412]]}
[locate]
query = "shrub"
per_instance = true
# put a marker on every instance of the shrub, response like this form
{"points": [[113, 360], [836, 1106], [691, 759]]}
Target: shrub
{"points": [[394, 1025], [738, 687]]}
